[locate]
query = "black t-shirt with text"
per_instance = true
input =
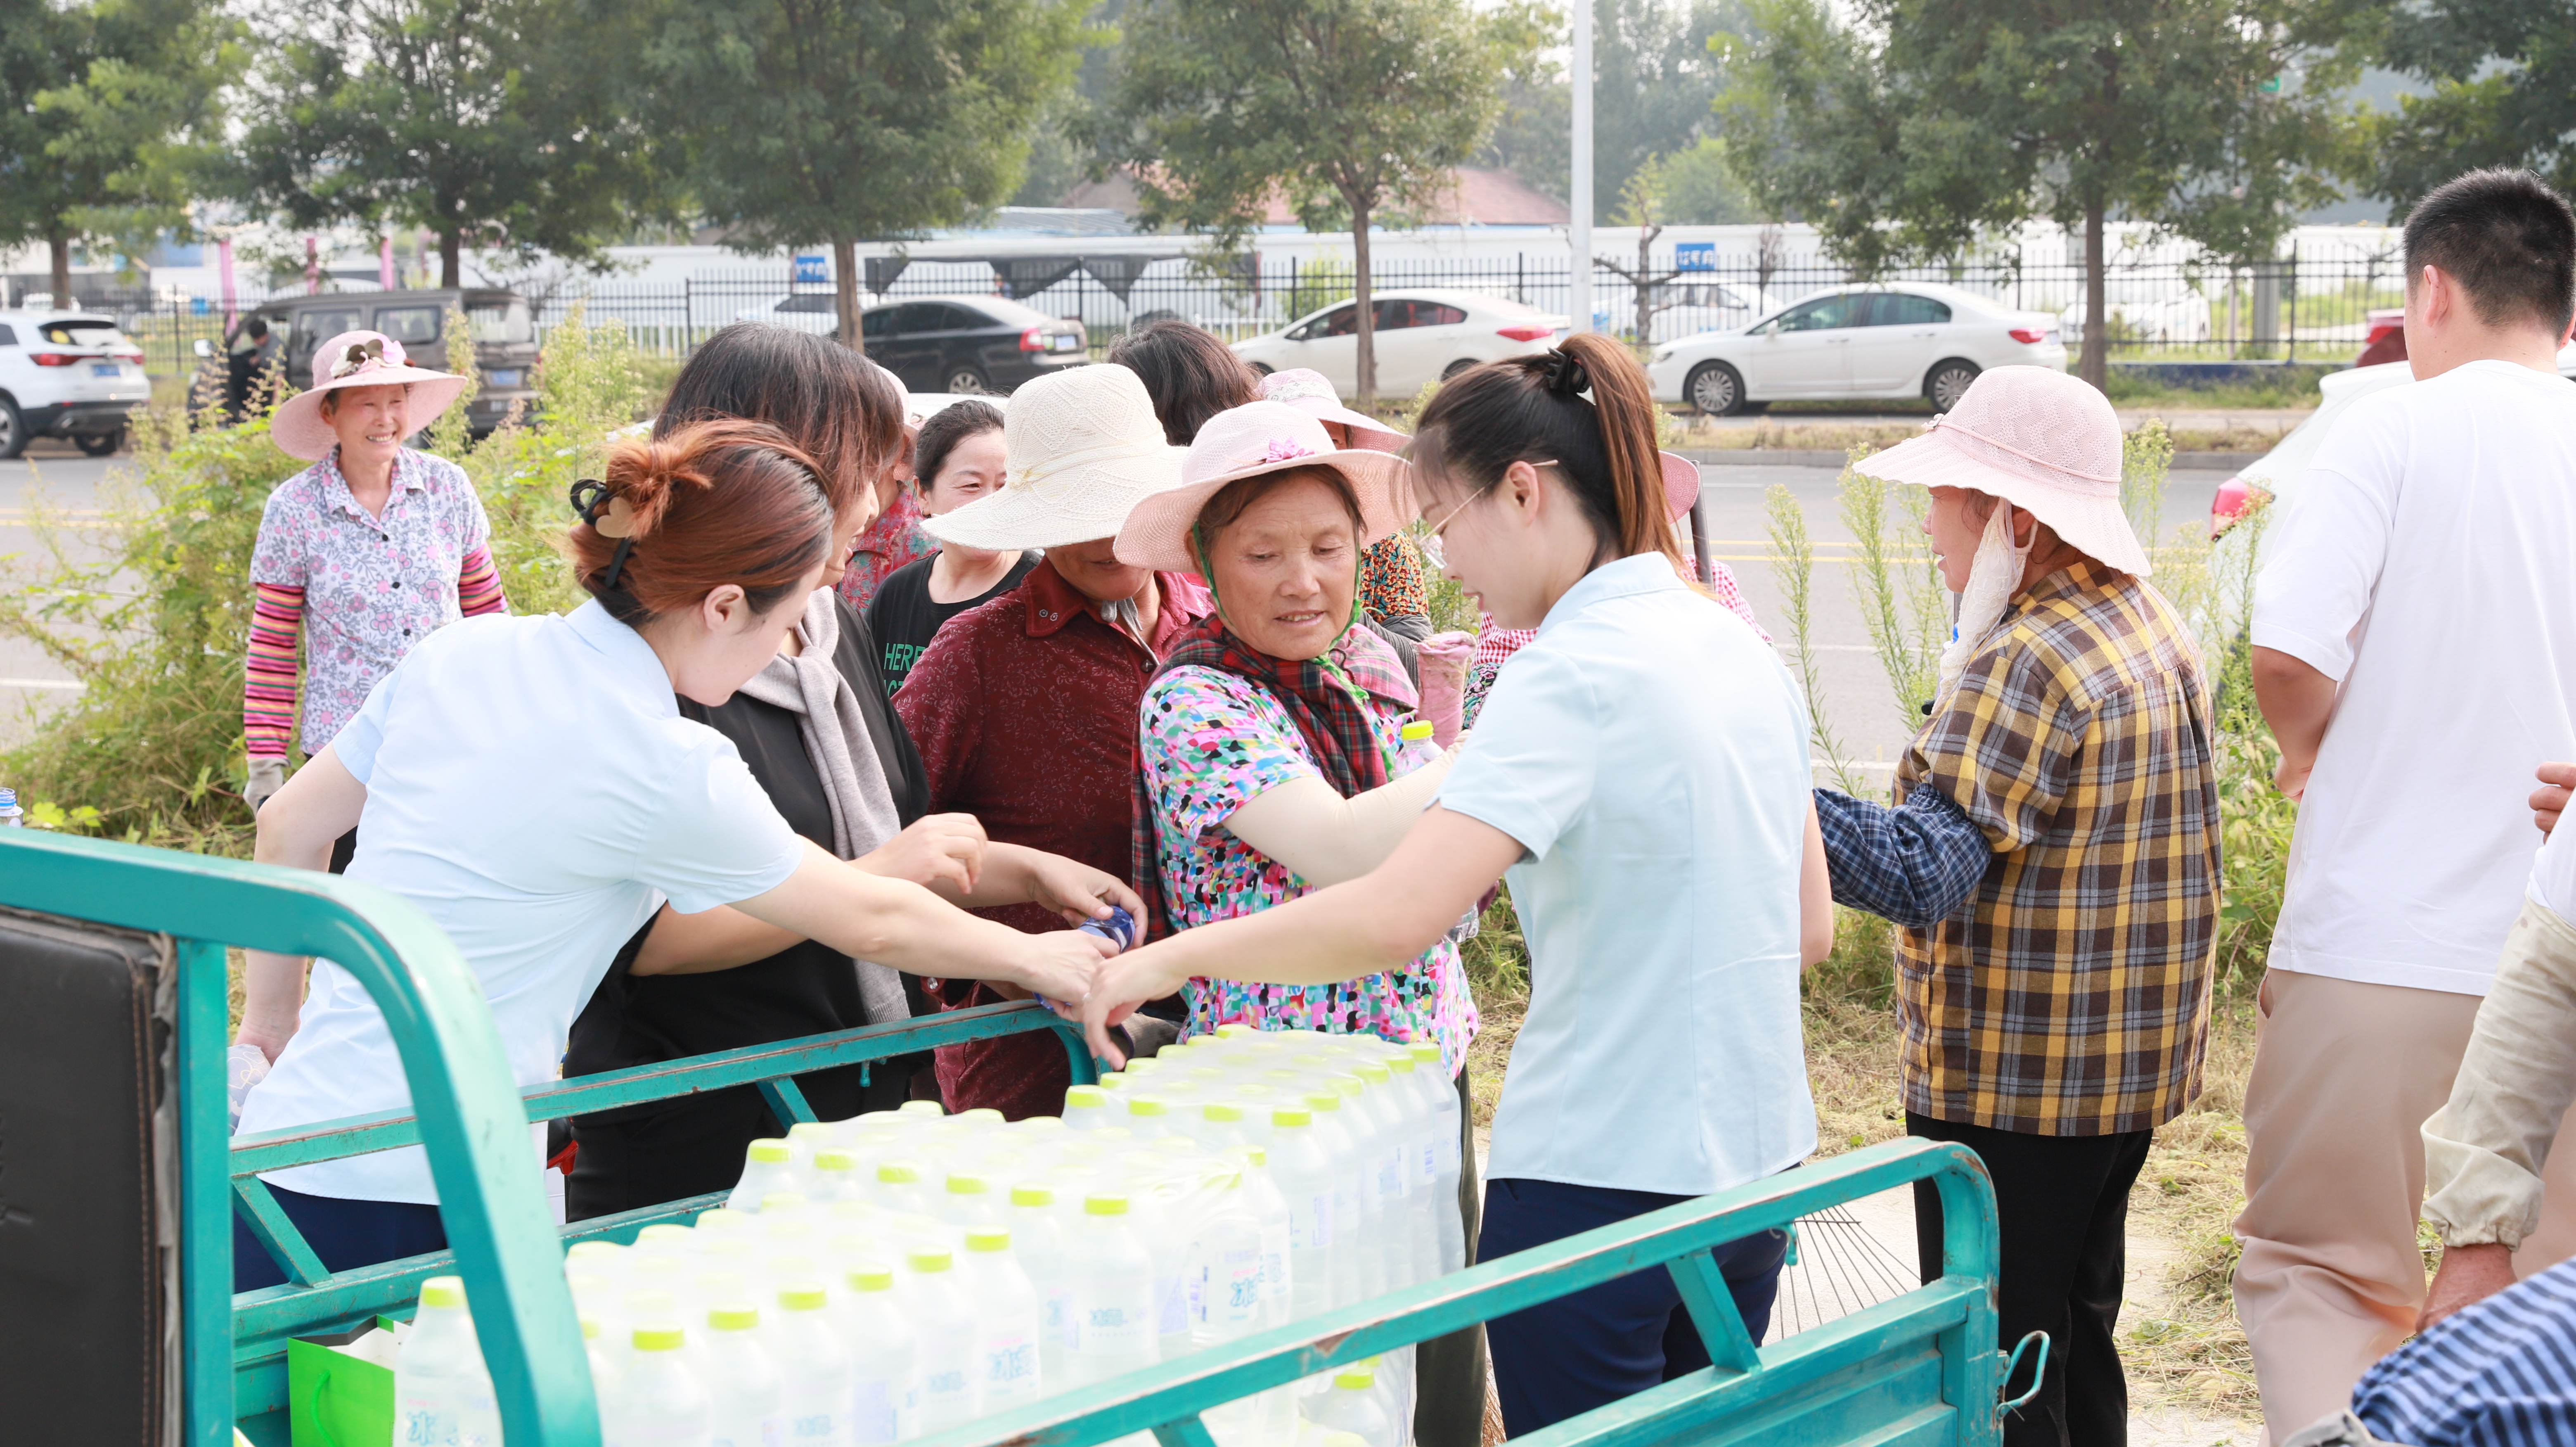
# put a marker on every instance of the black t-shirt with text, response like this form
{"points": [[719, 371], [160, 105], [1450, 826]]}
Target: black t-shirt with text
{"points": [[904, 619]]}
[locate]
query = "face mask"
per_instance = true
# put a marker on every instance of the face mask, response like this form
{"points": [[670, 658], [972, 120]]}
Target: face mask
{"points": [[1993, 579]]}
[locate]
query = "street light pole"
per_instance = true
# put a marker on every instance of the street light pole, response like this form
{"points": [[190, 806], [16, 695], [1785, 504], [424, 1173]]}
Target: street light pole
{"points": [[1580, 301]]}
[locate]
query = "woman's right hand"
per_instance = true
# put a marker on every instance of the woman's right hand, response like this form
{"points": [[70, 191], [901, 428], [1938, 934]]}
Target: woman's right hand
{"points": [[937, 849], [1063, 965]]}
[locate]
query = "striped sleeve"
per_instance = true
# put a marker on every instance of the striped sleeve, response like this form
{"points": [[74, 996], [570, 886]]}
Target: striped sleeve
{"points": [[478, 585], [268, 689]]}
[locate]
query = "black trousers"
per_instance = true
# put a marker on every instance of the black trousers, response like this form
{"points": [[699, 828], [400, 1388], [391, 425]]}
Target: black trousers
{"points": [[2062, 1206]]}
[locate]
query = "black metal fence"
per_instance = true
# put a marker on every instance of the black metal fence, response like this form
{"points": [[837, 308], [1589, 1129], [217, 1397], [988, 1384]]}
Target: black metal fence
{"points": [[2308, 308]]}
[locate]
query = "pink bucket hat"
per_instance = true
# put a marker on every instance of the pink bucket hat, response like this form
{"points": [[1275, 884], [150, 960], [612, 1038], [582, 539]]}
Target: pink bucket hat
{"points": [[2038, 439], [358, 359], [1248, 441]]}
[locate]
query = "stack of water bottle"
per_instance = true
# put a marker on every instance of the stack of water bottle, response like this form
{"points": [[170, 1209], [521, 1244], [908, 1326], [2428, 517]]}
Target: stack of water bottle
{"points": [[902, 1274]]}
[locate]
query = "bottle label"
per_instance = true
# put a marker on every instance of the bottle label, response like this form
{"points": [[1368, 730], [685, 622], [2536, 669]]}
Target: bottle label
{"points": [[1240, 1303], [872, 1418], [810, 1427], [1010, 1372], [1173, 1317], [1112, 1327], [1059, 1316], [1274, 1263]]}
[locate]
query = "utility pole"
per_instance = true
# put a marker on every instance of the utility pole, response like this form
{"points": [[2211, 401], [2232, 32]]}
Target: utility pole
{"points": [[1580, 300]]}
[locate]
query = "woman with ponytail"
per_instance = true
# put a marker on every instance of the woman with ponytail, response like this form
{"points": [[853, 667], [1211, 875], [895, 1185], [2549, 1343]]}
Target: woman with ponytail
{"points": [[1655, 825], [531, 784]]}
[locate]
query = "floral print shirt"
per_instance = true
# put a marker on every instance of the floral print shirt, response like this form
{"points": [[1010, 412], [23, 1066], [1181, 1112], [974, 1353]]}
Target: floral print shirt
{"points": [[1211, 743], [373, 586], [893, 540]]}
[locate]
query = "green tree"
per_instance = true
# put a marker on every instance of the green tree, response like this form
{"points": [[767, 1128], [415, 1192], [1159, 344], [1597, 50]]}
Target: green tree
{"points": [[1346, 109], [104, 109], [1654, 78], [2503, 74], [1919, 127], [840, 120], [491, 122]]}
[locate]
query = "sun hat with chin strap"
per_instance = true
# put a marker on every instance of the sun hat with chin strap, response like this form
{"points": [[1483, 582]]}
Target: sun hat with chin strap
{"points": [[358, 359]]}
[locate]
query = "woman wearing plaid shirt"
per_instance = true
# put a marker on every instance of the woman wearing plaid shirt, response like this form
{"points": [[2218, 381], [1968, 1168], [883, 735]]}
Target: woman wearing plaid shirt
{"points": [[2054, 863]]}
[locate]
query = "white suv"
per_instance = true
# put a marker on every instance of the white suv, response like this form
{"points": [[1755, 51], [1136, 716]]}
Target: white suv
{"points": [[64, 374]]}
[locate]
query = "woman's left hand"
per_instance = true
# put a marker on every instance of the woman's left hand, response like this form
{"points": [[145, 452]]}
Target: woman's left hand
{"points": [[1077, 891], [1124, 982], [936, 849]]}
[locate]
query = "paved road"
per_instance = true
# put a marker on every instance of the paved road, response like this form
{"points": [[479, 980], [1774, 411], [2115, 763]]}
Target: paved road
{"points": [[30, 681]]}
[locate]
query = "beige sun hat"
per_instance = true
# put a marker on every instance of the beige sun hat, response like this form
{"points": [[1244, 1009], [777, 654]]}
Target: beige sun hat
{"points": [[1248, 441], [2038, 439], [1082, 448], [358, 359], [1310, 392]]}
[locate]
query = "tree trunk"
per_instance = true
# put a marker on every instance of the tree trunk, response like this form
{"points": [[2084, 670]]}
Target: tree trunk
{"points": [[1367, 318], [451, 248], [61, 248], [2094, 365], [845, 291]]}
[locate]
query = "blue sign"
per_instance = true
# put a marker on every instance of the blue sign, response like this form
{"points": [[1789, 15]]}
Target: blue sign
{"points": [[1695, 256], [813, 270]]}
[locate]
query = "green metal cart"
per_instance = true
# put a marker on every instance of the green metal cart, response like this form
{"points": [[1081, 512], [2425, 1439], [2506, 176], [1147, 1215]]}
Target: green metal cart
{"points": [[1920, 1369]]}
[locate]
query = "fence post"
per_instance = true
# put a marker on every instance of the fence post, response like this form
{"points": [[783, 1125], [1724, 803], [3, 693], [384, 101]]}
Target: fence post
{"points": [[2290, 345]]}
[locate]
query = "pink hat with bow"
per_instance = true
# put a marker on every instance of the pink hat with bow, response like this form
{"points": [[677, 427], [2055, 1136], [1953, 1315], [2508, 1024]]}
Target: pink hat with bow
{"points": [[358, 359], [1248, 441]]}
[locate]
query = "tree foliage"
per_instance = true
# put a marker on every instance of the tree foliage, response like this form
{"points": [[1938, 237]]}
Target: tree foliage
{"points": [[837, 120], [104, 112], [2503, 74], [1343, 109], [1920, 127], [489, 122]]}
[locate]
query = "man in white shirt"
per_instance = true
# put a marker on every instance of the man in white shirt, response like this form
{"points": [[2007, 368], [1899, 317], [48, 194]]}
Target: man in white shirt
{"points": [[2415, 655]]}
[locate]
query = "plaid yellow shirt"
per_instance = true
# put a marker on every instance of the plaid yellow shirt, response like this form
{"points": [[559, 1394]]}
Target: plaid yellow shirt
{"points": [[2072, 997]]}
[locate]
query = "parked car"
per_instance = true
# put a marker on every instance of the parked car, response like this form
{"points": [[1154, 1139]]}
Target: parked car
{"points": [[970, 344], [2278, 472], [805, 311], [1897, 339], [505, 341], [67, 374], [2386, 341], [1422, 336], [1685, 307], [2145, 311]]}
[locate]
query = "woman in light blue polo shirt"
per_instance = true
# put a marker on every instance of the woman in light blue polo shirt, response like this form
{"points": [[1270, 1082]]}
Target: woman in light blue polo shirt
{"points": [[530, 784], [1640, 775]]}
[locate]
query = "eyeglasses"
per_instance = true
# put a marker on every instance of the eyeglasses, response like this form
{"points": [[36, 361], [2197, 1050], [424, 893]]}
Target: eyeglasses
{"points": [[1432, 550]]}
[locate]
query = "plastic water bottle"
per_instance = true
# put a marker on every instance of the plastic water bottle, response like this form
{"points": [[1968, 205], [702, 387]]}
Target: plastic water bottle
{"points": [[1149, 1116], [442, 1395], [1305, 1177], [948, 1364], [1226, 1296], [767, 1169], [1038, 1241], [1086, 1107], [1352, 1406], [244, 1066], [1013, 1317], [1261, 1195], [661, 1402], [814, 1367], [1112, 1281], [833, 1177], [1119, 928], [1441, 1090], [1421, 1162], [899, 1187], [746, 1397], [969, 1201], [1350, 1222], [13, 817], [885, 1401]]}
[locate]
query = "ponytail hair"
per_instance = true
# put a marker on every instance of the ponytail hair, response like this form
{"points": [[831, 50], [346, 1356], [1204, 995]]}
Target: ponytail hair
{"points": [[1533, 409], [706, 504]]}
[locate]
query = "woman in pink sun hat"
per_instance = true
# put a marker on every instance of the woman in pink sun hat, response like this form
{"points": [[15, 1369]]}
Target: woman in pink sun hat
{"points": [[374, 546]]}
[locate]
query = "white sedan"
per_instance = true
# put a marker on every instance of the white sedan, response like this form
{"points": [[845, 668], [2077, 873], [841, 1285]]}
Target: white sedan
{"points": [[1895, 339], [1423, 336]]}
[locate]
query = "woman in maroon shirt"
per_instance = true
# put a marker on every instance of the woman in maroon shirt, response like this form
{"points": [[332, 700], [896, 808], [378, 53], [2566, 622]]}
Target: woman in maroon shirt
{"points": [[1024, 708]]}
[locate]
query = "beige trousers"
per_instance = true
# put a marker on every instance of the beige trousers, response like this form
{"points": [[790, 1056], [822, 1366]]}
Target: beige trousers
{"points": [[2331, 1277]]}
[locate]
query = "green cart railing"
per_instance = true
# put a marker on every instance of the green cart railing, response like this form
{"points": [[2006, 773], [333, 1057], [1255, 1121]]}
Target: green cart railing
{"points": [[1918, 1369]]}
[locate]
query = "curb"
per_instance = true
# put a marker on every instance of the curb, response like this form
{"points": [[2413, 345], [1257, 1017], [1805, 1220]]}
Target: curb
{"points": [[2227, 462]]}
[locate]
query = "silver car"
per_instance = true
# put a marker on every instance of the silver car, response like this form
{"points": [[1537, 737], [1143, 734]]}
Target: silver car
{"points": [[1892, 339]]}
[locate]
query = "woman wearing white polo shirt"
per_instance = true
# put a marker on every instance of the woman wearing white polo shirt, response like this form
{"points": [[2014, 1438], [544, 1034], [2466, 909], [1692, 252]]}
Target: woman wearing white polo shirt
{"points": [[1641, 774], [530, 783]]}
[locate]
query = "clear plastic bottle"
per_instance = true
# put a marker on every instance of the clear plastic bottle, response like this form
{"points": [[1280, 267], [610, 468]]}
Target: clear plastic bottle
{"points": [[1013, 1316], [834, 1176], [1421, 1161], [1112, 1280], [970, 1201], [746, 1397], [1305, 1177], [1037, 1239], [441, 1392], [1352, 1405], [1442, 1092], [1149, 1116], [814, 1367], [885, 1389], [661, 1402], [768, 1166], [944, 1324], [1086, 1107], [1261, 1196], [899, 1186], [1351, 1221]]}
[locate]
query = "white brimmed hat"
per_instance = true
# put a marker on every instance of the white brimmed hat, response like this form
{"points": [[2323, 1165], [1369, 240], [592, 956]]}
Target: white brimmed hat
{"points": [[1248, 441], [358, 359], [2038, 439], [1082, 449], [1310, 392]]}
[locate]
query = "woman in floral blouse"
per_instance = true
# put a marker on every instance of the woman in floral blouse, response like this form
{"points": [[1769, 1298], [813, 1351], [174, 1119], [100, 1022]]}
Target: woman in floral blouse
{"points": [[1274, 755], [374, 546]]}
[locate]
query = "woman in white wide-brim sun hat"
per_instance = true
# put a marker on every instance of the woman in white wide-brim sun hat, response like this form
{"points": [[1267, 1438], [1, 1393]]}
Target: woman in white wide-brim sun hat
{"points": [[373, 546]]}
